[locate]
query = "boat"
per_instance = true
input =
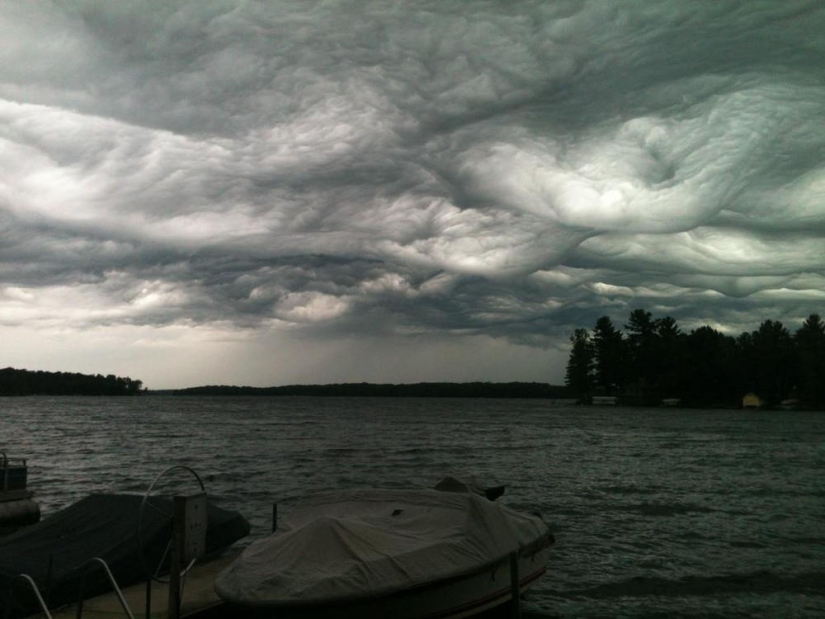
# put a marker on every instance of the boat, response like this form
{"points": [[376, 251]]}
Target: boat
{"points": [[431, 553], [55, 552], [17, 505]]}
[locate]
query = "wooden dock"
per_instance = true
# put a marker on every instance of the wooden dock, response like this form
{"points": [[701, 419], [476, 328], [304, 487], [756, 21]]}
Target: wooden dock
{"points": [[199, 598]]}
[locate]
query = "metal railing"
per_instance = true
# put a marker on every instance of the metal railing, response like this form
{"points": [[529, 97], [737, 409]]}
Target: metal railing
{"points": [[118, 592], [40, 600], [5, 466], [4, 480]]}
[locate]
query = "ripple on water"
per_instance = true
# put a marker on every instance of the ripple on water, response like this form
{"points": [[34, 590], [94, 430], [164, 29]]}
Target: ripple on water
{"points": [[656, 513]]}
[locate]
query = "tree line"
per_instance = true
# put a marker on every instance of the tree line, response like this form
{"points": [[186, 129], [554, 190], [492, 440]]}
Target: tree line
{"points": [[418, 390], [652, 360], [25, 382]]}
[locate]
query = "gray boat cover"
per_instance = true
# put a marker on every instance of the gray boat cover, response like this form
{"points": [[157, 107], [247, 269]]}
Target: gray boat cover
{"points": [[352, 545]]}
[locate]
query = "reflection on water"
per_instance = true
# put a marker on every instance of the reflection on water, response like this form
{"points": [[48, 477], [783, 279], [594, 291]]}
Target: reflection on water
{"points": [[656, 512]]}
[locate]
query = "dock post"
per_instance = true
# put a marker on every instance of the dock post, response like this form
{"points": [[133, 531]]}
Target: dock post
{"points": [[274, 517], [178, 520], [49, 571], [7, 614], [148, 597], [515, 587]]}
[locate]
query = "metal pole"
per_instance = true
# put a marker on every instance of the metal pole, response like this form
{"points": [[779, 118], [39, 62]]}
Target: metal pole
{"points": [[7, 613], [43, 606], [123, 604], [81, 593], [515, 587], [178, 518], [49, 578], [148, 597]]}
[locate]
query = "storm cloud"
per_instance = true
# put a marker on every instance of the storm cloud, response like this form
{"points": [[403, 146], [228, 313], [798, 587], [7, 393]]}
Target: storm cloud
{"points": [[311, 182]]}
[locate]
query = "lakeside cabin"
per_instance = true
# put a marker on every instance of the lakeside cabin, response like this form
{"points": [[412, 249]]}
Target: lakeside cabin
{"points": [[752, 401]]}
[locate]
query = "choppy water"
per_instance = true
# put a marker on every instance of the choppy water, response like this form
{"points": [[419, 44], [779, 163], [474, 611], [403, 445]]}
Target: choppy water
{"points": [[657, 513]]}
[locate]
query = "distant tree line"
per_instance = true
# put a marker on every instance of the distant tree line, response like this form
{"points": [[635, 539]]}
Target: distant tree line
{"points": [[419, 390], [652, 359], [24, 382]]}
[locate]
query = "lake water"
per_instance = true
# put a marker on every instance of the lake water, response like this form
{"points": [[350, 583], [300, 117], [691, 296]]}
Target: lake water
{"points": [[657, 512]]}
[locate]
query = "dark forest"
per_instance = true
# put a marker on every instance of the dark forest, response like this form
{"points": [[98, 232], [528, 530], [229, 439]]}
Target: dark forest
{"points": [[24, 382], [417, 390], [652, 360]]}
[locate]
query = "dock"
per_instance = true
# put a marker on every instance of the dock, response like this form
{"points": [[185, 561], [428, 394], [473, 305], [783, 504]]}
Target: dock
{"points": [[199, 599]]}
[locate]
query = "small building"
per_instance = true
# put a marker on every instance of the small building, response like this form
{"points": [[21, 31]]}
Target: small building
{"points": [[751, 400]]}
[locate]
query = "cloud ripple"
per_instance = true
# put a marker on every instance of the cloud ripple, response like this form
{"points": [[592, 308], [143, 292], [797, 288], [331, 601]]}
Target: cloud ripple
{"points": [[511, 169]]}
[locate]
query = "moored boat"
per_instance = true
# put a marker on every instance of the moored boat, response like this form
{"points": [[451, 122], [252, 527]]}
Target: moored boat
{"points": [[17, 505], [55, 552], [389, 553]]}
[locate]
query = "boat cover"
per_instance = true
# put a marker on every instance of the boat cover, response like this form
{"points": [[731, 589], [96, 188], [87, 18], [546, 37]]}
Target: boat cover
{"points": [[54, 551], [361, 544]]}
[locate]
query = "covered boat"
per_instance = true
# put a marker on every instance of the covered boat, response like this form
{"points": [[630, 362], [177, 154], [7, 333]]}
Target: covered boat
{"points": [[55, 551], [17, 505], [389, 553]]}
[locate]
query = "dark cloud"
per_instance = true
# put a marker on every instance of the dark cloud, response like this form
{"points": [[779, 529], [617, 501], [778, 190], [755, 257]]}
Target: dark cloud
{"points": [[347, 169]]}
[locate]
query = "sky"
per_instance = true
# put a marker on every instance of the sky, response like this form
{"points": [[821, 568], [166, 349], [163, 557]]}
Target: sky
{"points": [[278, 192]]}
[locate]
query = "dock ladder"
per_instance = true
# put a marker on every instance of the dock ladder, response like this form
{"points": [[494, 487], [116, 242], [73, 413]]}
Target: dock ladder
{"points": [[44, 607], [118, 592], [80, 597]]}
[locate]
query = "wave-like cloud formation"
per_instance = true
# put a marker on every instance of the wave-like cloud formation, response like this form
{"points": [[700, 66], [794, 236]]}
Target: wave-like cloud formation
{"points": [[514, 169]]}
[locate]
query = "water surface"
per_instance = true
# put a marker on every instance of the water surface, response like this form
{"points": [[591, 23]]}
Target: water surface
{"points": [[657, 512]]}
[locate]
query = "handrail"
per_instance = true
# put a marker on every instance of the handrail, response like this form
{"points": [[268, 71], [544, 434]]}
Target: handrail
{"points": [[7, 461], [118, 592], [5, 465], [143, 504], [33, 584]]}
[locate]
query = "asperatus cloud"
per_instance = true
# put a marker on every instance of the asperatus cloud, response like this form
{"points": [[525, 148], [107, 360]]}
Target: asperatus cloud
{"points": [[190, 189]]}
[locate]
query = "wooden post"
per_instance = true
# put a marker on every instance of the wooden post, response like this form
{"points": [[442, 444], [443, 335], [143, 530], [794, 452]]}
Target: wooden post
{"points": [[515, 587], [49, 578], [274, 517], [7, 614], [81, 593], [148, 597], [178, 520]]}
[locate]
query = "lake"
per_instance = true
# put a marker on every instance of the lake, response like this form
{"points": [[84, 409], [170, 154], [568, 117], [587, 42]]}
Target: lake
{"points": [[657, 512]]}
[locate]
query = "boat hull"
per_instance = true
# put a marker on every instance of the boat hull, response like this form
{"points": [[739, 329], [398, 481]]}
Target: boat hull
{"points": [[18, 509], [17, 505], [454, 598], [381, 553]]}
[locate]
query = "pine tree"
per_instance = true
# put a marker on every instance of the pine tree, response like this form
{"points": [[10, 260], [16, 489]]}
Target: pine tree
{"points": [[609, 356], [810, 346], [579, 376]]}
